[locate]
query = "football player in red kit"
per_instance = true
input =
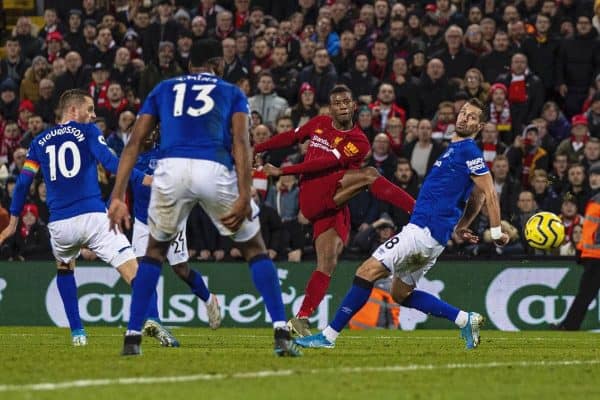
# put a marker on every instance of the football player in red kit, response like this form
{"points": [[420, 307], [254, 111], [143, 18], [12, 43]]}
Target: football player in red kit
{"points": [[331, 175]]}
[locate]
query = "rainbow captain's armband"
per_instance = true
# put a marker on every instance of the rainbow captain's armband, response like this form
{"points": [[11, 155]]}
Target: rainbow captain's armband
{"points": [[31, 167]]}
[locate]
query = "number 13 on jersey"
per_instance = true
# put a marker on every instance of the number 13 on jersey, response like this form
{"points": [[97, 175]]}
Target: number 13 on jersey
{"points": [[203, 96]]}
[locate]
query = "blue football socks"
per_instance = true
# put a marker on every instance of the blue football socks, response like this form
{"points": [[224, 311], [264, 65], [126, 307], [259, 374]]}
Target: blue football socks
{"points": [[152, 312], [429, 304], [355, 299], [264, 276], [65, 280], [196, 283], [143, 288]]}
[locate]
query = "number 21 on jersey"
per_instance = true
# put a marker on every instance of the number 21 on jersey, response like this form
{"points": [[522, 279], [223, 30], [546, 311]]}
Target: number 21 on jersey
{"points": [[203, 96], [60, 160]]}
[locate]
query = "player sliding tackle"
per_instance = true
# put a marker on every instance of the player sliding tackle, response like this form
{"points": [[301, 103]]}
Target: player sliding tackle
{"points": [[203, 121], [331, 176], [67, 155], [459, 175]]}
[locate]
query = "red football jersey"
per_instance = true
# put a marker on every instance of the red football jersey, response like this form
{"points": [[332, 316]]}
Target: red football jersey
{"points": [[348, 147]]}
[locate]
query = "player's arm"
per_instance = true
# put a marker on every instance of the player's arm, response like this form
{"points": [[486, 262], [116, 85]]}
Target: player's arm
{"points": [[485, 184], [101, 152], [118, 212], [24, 180], [242, 154], [285, 139], [472, 209]]}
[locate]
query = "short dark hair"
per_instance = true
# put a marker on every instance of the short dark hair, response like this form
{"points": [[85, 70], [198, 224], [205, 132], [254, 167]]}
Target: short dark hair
{"points": [[340, 88], [204, 51], [72, 96], [475, 102]]}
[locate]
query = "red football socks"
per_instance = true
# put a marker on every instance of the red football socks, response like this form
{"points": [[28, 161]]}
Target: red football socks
{"points": [[316, 288], [385, 190]]}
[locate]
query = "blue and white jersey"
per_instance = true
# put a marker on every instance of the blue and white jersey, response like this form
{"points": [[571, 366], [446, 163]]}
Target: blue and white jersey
{"points": [[447, 188], [146, 163], [68, 154], [195, 113]]}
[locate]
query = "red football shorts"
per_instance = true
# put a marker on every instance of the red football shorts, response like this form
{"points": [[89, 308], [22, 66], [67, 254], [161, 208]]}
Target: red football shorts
{"points": [[317, 205]]}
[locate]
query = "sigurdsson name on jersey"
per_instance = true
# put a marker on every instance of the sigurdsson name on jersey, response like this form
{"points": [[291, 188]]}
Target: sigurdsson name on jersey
{"points": [[62, 131]]}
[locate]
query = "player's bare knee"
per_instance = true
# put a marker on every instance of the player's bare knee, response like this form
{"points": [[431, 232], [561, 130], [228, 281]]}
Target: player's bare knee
{"points": [[400, 290], [182, 270], [253, 247], [372, 270], [128, 270]]}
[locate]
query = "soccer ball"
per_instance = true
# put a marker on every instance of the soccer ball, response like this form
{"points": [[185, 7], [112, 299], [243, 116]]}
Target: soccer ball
{"points": [[544, 231]]}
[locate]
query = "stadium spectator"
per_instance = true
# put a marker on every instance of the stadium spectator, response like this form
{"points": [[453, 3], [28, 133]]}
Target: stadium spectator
{"points": [[261, 57], [578, 61], [499, 109], [40, 68], [591, 153], [443, 123], [577, 187], [405, 178], [498, 60], [13, 65], [234, 67], [506, 186], [489, 144], [305, 108], [31, 46], [457, 60], [526, 207], [35, 126], [163, 29], [48, 101], [76, 76], [380, 67], [119, 137], [545, 196], [284, 77], [558, 125], [32, 240], [433, 89], [362, 83], [539, 49], [73, 36], [423, 152], [98, 87], [382, 157], [283, 198], [321, 75], [473, 41], [526, 155], [367, 240], [593, 115], [266, 101], [385, 107], [153, 73], [475, 86], [574, 145], [9, 99], [394, 132]]}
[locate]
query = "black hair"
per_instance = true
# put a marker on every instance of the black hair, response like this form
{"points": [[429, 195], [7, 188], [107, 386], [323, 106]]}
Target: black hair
{"points": [[340, 88], [483, 116]]}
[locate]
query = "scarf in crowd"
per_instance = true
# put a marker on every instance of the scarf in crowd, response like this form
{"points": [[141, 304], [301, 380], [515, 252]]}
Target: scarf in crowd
{"points": [[529, 161], [100, 97], [490, 150], [517, 90], [501, 118]]}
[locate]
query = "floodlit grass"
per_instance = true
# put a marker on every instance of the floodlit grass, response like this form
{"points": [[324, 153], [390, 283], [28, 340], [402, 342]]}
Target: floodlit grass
{"points": [[239, 364]]}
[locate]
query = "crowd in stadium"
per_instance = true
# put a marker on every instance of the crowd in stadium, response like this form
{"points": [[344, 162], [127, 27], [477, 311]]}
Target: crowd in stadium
{"points": [[411, 65]]}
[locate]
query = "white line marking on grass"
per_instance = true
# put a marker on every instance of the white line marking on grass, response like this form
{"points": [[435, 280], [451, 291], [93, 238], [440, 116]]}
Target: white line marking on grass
{"points": [[48, 386]]}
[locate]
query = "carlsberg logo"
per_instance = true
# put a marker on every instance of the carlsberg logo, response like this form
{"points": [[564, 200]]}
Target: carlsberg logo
{"points": [[177, 309]]}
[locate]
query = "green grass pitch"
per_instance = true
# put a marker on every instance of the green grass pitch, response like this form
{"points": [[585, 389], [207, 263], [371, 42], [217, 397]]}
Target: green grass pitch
{"points": [[40, 363]]}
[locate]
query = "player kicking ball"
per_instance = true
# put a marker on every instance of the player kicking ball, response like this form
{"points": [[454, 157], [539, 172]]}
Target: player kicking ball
{"points": [[206, 160], [67, 155], [177, 255], [460, 175], [331, 176]]}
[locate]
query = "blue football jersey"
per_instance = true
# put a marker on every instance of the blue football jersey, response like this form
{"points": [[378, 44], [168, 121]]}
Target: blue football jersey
{"points": [[68, 154], [146, 163], [195, 113], [447, 188]]}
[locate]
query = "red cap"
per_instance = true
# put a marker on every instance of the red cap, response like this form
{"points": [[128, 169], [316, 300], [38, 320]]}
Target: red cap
{"points": [[32, 208], [306, 87], [26, 105], [55, 35], [431, 8], [579, 119], [498, 86]]}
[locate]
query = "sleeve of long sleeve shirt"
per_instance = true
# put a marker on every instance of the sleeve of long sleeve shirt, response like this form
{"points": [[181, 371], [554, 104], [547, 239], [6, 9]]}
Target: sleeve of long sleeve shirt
{"points": [[30, 168]]}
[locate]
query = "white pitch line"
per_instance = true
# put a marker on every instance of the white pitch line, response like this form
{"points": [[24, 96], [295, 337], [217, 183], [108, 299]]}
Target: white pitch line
{"points": [[49, 386]]}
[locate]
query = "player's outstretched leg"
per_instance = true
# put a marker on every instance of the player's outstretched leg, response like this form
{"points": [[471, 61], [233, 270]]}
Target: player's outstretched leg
{"points": [[154, 328], [194, 280], [143, 287], [65, 280], [469, 323]]}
